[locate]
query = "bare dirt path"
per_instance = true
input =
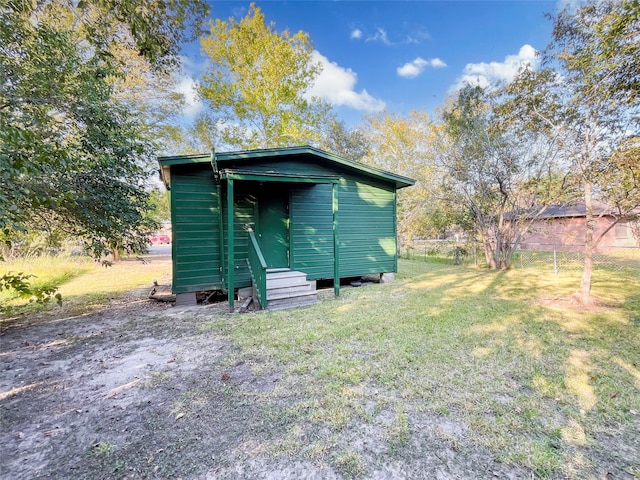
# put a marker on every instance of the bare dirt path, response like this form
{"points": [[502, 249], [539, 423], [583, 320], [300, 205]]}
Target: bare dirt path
{"points": [[102, 394]]}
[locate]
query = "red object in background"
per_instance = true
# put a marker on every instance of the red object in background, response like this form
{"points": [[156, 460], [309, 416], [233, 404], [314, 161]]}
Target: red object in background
{"points": [[160, 239]]}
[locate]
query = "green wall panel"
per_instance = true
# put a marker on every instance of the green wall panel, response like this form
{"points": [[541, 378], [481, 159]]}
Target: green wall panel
{"points": [[366, 213], [312, 231], [244, 218], [195, 247], [367, 240]]}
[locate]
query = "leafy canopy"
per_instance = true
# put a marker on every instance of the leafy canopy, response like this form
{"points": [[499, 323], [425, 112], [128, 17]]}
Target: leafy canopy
{"points": [[402, 144], [586, 101], [258, 81], [494, 180], [72, 155]]}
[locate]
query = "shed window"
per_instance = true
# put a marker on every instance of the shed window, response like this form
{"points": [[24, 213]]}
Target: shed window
{"points": [[622, 230]]}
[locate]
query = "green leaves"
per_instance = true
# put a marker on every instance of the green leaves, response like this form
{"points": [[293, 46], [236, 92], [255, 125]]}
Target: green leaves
{"points": [[257, 82], [598, 46], [586, 103], [74, 157], [19, 285], [496, 177]]}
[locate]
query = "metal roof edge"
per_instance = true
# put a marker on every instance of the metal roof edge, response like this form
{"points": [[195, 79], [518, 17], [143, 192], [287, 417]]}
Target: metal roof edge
{"points": [[400, 180], [184, 159]]}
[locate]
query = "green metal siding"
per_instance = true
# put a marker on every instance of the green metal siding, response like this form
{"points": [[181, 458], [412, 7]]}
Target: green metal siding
{"points": [[366, 227], [367, 221], [312, 231], [195, 230], [243, 218]]}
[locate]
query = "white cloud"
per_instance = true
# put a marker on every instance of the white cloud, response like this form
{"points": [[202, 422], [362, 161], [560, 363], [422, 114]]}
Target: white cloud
{"points": [[186, 85], [416, 67], [408, 34], [192, 67], [379, 36], [357, 34], [416, 35], [336, 85], [486, 74], [193, 103]]}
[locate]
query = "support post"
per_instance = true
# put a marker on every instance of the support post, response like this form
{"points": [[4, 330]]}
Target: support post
{"points": [[336, 243], [218, 186], [395, 230], [230, 246], [223, 275]]}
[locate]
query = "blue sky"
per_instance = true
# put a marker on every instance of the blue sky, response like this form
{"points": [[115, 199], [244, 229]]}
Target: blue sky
{"points": [[403, 55]]}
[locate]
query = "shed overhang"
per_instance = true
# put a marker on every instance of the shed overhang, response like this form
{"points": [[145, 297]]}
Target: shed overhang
{"points": [[240, 162], [248, 175], [167, 162]]}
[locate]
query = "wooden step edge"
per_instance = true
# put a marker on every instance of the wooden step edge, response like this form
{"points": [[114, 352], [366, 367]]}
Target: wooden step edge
{"points": [[287, 274], [282, 296], [306, 284], [293, 304]]}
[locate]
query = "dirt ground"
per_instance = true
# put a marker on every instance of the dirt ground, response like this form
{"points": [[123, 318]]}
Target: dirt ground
{"points": [[142, 390]]}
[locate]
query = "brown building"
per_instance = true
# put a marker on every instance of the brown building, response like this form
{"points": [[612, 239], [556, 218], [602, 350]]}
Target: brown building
{"points": [[563, 228]]}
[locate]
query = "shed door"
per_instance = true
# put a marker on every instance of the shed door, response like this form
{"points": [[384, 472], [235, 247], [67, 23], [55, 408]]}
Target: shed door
{"points": [[273, 226]]}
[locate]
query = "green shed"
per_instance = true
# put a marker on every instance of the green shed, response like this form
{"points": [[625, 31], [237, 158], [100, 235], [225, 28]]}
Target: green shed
{"points": [[277, 220]]}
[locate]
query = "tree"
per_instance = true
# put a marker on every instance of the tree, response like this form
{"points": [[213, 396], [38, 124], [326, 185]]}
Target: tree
{"points": [[349, 144], [586, 102], [494, 180], [155, 28], [160, 205], [402, 145], [151, 97], [258, 79], [71, 154]]}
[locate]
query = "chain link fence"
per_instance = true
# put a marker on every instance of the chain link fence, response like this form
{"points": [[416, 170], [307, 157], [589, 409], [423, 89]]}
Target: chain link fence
{"points": [[547, 256], [564, 258]]}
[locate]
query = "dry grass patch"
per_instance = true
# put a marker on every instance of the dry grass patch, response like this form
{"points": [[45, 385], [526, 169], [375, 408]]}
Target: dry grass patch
{"points": [[85, 285], [539, 387]]}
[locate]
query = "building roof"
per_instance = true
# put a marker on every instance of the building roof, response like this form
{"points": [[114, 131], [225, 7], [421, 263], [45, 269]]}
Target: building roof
{"points": [[303, 153], [575, 209]]}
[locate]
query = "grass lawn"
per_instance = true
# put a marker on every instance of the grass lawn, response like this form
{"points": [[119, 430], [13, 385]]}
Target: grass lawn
{"points": [[450, 362], [85, 285], [513, 367]]}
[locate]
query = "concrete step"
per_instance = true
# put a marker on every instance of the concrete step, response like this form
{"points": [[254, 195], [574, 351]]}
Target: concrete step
{"points": [[278, 270], [290, 289], [283, 279], [280, 295], [292, 302]]}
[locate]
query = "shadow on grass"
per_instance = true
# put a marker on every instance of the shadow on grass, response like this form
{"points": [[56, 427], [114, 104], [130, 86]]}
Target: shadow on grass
{"points": [[575, 382], [542, 387]]}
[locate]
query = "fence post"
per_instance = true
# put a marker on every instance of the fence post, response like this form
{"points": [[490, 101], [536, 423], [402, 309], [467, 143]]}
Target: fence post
{"points": [[555, 261]]}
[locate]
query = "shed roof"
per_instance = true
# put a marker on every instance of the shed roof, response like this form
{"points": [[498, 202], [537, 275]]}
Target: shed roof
{"points": [[303, 153]]}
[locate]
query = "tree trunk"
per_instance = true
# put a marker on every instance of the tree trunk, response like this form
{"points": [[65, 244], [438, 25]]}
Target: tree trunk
{"points": [[115, 253], [583, 295], [488, 251]]}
